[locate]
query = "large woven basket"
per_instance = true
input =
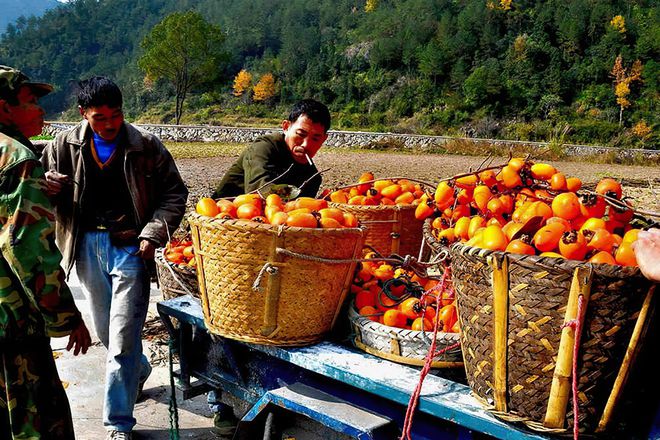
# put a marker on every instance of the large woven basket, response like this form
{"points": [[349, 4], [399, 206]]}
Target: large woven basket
{"points": [[401, 345], [391, 229], [173, 279], [272, 285], [517, 355]]}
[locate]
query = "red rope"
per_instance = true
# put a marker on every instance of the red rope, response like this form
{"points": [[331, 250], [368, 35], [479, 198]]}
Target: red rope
{"points": [[414, 397], [576, 325]]}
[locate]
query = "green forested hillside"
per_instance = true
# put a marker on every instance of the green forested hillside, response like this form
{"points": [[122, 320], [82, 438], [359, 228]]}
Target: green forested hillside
{"points": [[520, 69], [14, 9]]}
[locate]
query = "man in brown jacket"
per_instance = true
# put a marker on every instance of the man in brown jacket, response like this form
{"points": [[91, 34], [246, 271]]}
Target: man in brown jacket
{"points": [[117, 194]]}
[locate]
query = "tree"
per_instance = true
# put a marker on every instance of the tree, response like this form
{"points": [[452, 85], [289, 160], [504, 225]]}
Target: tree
{"points": [[242, 82], [622, 80], [185, 50], [265, 88]]}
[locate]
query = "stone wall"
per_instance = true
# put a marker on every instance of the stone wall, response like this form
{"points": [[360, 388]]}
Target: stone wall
{"points": [[347, 139]]}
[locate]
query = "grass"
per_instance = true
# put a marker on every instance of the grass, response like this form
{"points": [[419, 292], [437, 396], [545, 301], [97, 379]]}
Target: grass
{"points": [[198, 150]]}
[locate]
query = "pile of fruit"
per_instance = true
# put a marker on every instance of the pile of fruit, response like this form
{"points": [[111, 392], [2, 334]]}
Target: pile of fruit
{"points": [[532, 208], [379, 192], [305, 212], [400, 298], [180, 252]]}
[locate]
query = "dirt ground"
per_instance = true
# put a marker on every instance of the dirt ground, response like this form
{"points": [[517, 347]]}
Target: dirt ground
{"points": [[641, 183]]}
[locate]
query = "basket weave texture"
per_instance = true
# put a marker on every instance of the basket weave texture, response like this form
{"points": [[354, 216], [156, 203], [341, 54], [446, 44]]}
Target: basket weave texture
{"points": [[538, 293], [391, 229], [175, 280], [401, 345], [266, 284]]}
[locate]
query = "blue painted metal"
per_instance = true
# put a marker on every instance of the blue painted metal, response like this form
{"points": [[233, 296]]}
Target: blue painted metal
{"points": [[446, 410]]}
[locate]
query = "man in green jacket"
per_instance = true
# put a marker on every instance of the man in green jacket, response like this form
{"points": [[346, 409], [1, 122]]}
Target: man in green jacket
{"points": [[283, 157], [35, 302]]}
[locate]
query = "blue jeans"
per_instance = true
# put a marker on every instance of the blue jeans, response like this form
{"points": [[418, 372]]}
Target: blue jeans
{"points": [[116, 284]]}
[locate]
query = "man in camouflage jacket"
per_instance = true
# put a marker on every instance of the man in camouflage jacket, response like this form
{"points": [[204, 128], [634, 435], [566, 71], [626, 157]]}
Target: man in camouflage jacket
{"points": [[35, 302]]}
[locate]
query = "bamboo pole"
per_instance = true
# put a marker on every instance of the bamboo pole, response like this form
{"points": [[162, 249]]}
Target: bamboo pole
{"points": [[561, 384], [629, 358], [500, 281]]}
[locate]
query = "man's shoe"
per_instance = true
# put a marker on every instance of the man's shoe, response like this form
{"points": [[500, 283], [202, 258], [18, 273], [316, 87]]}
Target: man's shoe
{"points": [[224, 425], [119, 435]]}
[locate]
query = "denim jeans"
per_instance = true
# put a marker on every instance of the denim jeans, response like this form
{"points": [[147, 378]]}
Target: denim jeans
{"points": [[116, 284]]}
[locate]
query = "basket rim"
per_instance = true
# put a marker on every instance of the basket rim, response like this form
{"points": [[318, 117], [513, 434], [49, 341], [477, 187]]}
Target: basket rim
{"points": [[195, 218], [374, 207], [603, 269]]}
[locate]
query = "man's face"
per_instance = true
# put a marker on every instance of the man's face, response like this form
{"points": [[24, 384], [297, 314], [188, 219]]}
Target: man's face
{"points": [[27, 116], [105, 121], [303, 136]]}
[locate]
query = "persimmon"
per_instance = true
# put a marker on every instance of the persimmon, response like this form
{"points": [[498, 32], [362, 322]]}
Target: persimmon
{"points": [[558, 182], [460, 211], [274, 200], [469, 181], [271, 210], [333, 213], [412, 308], [567, 225], [494, 239], [279, 218], [448, 316], [339, 197], [384, 272], [394, 318], [507, 203], [551, 254], [227, 207], [207, 206], [516, 163], [461, 228], [379, 185], [592, 205], [259, 219], [447, 236], [429, 312], [311, 203], [488, 177], [630, 236], [329, 223], [476, 222], [610, 188], [356, 200], [253, 198], [542, 171], [573, 245], [423, 210], [464, 196], [365, 298], [496, 220], [511, 228], [420, 324], [536, 209], [365, 177], [566, 205], [511, 177], [520, 247], [602, 257], [573, 184], [578, 221], [475, 240], [481, 195], [600, 239], [392, 191], [593, 224], [623, 215], [456, 328], [443, 193], [547, 238], [625, 254], [495, 206], [369, 312], [300, 211], [440, 223], [350, 220], [302, 220], [247, 211], [615, 226], [387, 201], [370, 201], [175, 257], [406, 185], [405, 198]]}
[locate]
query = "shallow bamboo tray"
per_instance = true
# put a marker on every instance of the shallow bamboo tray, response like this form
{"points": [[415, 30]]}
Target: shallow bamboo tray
{"points": [[401, 345], [272, 285], [391, 229], [517, 356]]}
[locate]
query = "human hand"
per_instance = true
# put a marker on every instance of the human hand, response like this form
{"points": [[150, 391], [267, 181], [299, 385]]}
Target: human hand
{"points": [[79, 339], [647, 252], [147, 250], [55, 182]]}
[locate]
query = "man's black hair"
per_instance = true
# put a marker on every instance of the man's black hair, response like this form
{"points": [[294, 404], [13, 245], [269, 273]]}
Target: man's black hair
{"points": [[314, 110], [98, 91]]}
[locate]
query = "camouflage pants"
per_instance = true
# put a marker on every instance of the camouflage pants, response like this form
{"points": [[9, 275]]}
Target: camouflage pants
{"points": [[33, 404]]}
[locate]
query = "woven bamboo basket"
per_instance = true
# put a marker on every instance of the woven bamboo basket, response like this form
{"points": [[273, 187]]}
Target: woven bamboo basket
{"points": [[518, 356], [173, 279], [272, 285], [391, 229], [401, 345]]}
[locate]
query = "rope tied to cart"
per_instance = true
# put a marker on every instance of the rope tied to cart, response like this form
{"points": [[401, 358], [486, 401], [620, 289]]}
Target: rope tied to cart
{"points": [[576, 325]]}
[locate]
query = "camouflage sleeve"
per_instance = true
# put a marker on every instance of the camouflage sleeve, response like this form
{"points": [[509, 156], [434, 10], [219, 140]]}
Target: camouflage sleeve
{"points": [[27, 242]]}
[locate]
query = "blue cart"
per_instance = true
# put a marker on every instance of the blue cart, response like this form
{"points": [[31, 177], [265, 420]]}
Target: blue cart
{"points": [[327, 390]]}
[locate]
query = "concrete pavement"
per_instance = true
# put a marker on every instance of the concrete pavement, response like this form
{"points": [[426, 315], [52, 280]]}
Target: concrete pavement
{"points": [[83, 377]]}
